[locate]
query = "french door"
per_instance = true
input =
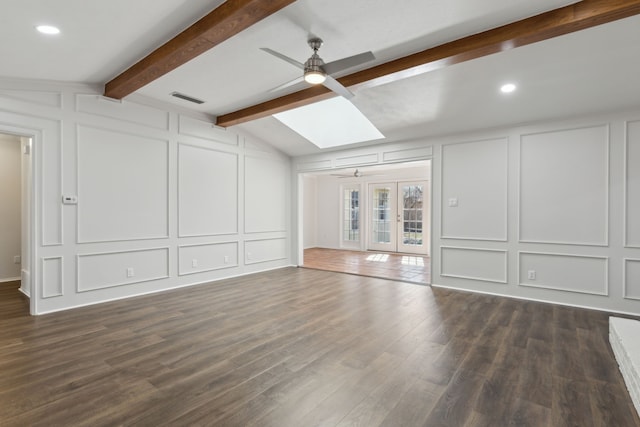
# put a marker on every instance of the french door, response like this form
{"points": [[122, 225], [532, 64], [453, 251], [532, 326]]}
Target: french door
{"points": [[398, 217]]}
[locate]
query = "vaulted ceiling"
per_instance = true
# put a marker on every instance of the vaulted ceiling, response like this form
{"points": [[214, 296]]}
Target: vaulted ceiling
{"points": [[583, 72]]}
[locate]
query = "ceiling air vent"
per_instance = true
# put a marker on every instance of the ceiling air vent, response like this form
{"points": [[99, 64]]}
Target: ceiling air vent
{"points": [[187, 97]]}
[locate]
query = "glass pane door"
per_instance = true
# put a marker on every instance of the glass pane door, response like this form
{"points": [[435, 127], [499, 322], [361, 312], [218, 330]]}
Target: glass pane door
{"points": [[383, 217], [411, 205]]}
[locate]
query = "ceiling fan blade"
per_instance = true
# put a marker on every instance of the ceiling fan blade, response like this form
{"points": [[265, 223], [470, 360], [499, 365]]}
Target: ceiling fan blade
{"points": [[345, 63], [283, 57], [335, 86], [293, 82]]}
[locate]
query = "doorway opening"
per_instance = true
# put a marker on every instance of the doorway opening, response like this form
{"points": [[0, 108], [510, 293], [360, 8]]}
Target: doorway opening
{"points": [[15, 218], [375, 221]]}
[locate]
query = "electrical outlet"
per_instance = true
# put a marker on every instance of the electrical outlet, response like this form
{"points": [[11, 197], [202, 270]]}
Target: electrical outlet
{"points": [[17, 259], [249, 256], [130, 272], [226, 259], [194, 263], [531, 275], [453, 202]]}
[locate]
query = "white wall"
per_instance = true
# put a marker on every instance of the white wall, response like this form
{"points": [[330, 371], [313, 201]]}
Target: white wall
{"points": [[10, 207], [164, 199], [548, 211], [310, 209]]}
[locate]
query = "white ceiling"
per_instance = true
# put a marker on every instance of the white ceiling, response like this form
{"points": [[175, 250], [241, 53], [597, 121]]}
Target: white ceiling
{"points": [[589, 71]]}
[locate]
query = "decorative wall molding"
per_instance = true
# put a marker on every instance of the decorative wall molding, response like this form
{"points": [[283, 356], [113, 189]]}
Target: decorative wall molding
{"points": [[82, 229], [606, 185], [566, 270], [101, 106], [627, 199], [209, 256], [196, 128], [313, 166], [363, 159], [265, 195], [35, 97], [501, 257], [265, 250], [108, 269], [625, 279], [52, 269], [227, 186], [409, 154], [505, 205]]}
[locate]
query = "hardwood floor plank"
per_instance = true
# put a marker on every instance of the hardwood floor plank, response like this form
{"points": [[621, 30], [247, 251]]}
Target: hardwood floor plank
{"points": [[304, 347]]}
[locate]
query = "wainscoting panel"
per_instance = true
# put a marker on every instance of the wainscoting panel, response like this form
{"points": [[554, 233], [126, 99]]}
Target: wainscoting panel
{"points": [[474, 185], [364, 159], [118, 199], [36, 97], [313, 166], [488, 265], [257, 251], [109, 269], [564, 272], [564, 186], [266, 195], [207, 191], [204, 129], [632, 185], [410, 154], [122, 110], [631, 278], [207, 257], [52, 277]]}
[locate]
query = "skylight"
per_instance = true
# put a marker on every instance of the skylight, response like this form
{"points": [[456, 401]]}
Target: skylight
{"points": [[330, 123]]}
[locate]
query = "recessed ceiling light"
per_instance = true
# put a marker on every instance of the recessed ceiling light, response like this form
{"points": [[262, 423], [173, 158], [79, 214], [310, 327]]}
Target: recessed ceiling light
{"points": [[508, 88], [48, 29]]}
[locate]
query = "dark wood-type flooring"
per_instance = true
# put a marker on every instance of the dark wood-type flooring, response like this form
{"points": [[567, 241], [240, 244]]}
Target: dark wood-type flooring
{"points": [[304, 347], [403, 267]]}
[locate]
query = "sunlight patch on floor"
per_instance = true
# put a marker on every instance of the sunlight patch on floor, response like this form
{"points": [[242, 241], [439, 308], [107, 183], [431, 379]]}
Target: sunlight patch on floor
{"points": [[412, 260], [378, 257]]}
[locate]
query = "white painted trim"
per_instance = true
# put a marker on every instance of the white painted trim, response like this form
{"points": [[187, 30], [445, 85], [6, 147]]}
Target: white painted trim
{"points": [[237, 156], [625, 184], [528, 285], [10, 279], [237, 243], [607, 187], [42, 262], [23, 292], [123, 102], [506, 195], [59, 136], [624, 277], [167, 143], [248, 262], [215, 128], [167, 249], [482, 279], [244, 193]]}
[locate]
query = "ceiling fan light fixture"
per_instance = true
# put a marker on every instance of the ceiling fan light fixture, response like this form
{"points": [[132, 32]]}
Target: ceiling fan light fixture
{"points": [[314, 77]]}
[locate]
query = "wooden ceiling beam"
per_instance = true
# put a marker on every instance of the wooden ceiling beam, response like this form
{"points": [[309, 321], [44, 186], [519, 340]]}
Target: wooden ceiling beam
{"points": [[557, 22], [227, 20]]}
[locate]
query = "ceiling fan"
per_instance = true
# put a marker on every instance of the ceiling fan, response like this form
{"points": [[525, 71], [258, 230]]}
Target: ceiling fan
{"points": [[317, 72]]}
